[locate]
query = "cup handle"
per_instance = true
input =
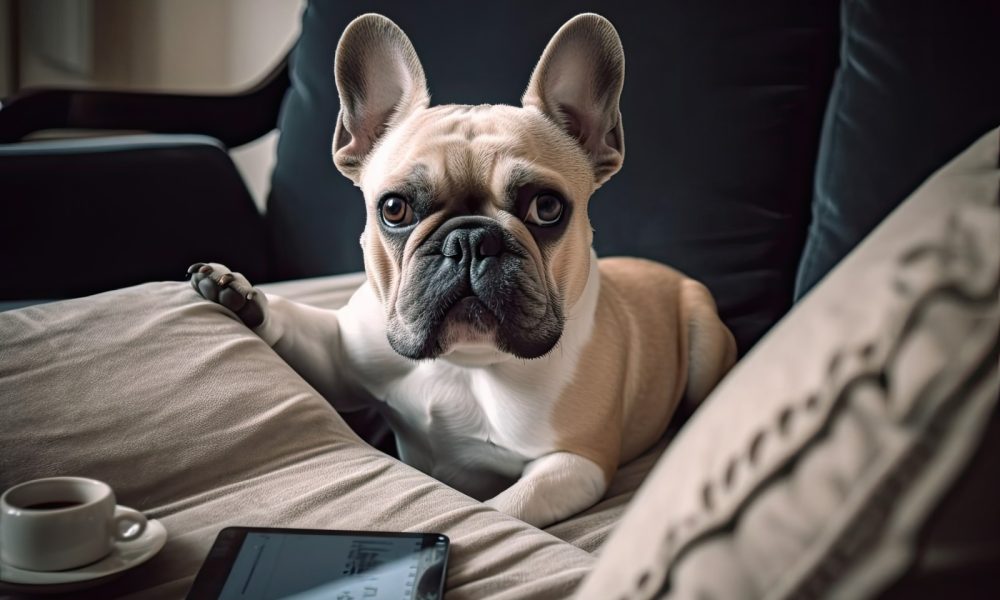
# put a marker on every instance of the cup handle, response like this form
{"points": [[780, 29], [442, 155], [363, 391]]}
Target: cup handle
{"points": [[133, 520]]}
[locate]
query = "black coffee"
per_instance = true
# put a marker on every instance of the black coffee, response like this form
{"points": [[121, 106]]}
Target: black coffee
{"points": [[54, 504]]}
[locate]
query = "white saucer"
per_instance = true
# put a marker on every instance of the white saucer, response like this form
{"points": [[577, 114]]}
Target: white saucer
{"points": [[124, 556]]}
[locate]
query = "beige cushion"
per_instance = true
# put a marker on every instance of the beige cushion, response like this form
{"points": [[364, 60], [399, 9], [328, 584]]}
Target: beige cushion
{"points": [[815, 464], [195, 421]]}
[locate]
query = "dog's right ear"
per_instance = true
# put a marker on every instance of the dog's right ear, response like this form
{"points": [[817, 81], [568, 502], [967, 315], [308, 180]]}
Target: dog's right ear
{"points": [[578, 83], [380, 82]]}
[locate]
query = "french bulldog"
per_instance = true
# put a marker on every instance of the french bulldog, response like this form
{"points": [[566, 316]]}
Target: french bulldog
{"points": [[510, 362]]}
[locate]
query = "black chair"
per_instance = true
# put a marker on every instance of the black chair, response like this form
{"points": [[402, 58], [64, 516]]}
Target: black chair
{"points": [[86, 215]]}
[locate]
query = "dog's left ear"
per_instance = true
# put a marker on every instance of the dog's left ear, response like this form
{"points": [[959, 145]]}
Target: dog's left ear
{"points": [[380, 82], [578, 83]]}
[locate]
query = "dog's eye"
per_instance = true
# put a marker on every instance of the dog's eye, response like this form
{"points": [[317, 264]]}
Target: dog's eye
{"points": [[397, 212], [545, 209]]}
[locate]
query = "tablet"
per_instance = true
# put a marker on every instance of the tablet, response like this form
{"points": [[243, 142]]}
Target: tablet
{"points": [[263, 563]]}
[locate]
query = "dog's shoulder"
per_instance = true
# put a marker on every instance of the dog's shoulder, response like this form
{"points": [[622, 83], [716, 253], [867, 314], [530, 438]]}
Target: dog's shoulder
{"points": [[629, 269], [640, 285]]}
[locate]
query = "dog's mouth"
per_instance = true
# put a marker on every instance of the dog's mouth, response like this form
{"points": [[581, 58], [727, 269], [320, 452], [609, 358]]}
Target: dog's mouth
{"points": [[471, 312], [468, 323]]}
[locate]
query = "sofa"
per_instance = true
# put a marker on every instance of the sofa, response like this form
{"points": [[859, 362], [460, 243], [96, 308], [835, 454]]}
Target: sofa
{"points": [[850, 453]]}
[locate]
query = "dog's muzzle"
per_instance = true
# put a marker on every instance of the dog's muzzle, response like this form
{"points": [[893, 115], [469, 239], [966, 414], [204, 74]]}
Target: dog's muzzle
{"points": [[473, 272]]}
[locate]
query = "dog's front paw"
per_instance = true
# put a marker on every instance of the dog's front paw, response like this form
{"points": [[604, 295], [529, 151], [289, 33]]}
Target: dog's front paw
{"points": [[217, 283]]}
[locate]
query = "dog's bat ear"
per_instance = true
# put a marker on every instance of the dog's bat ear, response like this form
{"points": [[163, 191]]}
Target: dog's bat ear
{"points": [[380, 82], [578, 82]]}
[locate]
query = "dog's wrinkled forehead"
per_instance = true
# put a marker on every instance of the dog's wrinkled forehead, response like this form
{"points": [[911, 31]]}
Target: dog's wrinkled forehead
{"points": [[468, 156], [569, 111]]}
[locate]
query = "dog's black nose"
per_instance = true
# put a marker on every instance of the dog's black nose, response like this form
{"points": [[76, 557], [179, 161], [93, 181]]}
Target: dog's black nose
{"points": [[490, 243], [475, 244]]}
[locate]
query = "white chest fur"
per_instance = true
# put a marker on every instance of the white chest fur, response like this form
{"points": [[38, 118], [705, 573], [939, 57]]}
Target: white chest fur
{"points": [[475, 417]]}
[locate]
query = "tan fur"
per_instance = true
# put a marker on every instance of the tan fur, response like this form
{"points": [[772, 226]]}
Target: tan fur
{"points": [[634, 371]]}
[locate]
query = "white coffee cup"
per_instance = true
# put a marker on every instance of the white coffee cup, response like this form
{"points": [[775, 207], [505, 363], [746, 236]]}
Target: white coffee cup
{"points": [[62, 523]]}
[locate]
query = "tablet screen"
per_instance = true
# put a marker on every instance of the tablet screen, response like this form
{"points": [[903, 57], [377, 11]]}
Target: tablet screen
{"points": [[313, 564]]}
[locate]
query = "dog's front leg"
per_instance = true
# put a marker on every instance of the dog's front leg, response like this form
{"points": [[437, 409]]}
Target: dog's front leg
{"points": [[309, 339], [552, 488], [305, 337]]}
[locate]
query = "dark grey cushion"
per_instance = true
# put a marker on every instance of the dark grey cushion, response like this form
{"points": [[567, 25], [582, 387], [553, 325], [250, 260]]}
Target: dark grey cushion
{"points": [[722, 108], [917, 82]]}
